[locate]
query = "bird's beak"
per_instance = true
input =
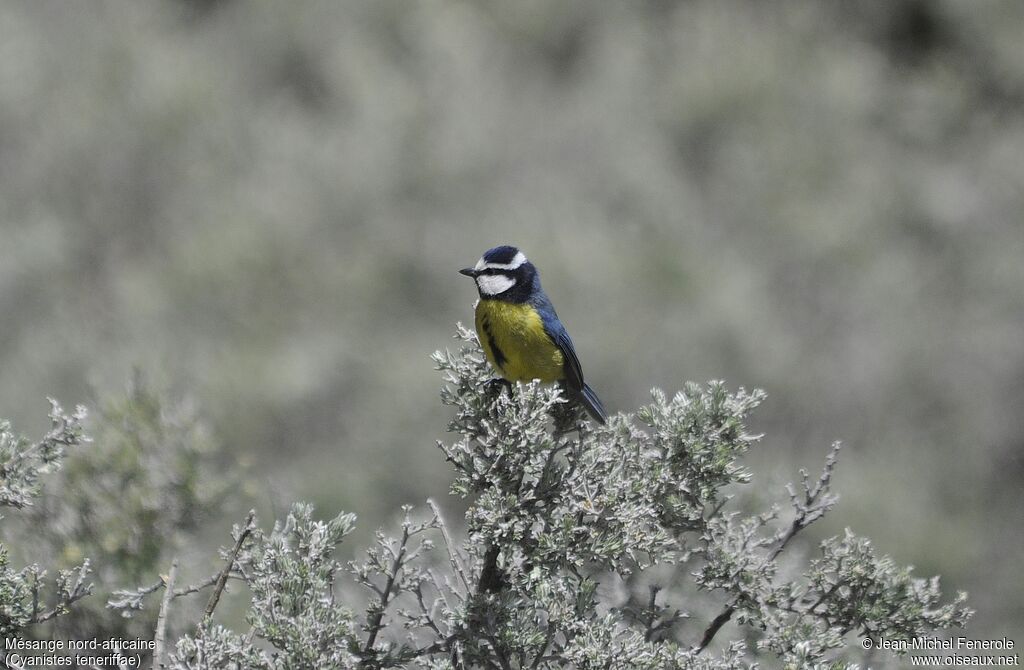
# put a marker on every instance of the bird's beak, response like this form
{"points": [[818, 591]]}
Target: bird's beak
{"points": [[469, 272]]}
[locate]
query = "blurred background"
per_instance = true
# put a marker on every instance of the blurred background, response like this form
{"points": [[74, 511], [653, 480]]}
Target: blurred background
{"points": [[261, 208]]}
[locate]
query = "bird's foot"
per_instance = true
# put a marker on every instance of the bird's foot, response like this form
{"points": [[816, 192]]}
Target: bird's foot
{"points": [[496, 386]]}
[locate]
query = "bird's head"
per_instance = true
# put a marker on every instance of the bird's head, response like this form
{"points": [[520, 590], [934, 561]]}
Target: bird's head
{"points": [[503, 272]]}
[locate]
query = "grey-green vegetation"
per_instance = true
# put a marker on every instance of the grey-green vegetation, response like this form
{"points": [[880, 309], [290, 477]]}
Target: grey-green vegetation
{"points": [[263, 204], [127, 504], [26, 596], [622, 546]]}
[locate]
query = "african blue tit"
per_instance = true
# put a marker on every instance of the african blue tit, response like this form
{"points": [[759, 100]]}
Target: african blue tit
{"points": [[519, 329]]}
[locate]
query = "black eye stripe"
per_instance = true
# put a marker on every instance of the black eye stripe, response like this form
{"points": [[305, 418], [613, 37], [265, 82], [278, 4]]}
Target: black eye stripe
{"points": [[495, 271]]}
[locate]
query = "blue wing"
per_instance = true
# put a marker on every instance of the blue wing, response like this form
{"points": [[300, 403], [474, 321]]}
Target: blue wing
{"points": [[556, 331], [571, 363]]}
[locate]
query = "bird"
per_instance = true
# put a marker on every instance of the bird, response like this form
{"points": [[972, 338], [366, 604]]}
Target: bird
{"points": [[520, 332]]}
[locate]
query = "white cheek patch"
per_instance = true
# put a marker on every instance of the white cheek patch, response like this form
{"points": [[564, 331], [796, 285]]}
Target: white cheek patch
{"points": [[494, 284]]}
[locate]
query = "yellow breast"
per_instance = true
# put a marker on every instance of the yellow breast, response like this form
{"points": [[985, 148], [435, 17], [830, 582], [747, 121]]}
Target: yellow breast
{"points": [[515, 342]]}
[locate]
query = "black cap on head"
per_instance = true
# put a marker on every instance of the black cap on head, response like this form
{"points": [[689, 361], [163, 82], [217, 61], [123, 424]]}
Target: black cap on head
{"points": [[503, 254]]}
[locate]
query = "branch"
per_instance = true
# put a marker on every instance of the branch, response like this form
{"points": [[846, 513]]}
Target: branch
{"points": [[453, 556], [499, 651], [374, 626], [715, 626], [816, 501], [133, 599], [222, 579], [161, 619], [65, 596], [196, 588]]}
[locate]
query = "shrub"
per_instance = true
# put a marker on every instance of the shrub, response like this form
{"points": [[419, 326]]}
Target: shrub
{"points": [[26, 596], [620, 546]]}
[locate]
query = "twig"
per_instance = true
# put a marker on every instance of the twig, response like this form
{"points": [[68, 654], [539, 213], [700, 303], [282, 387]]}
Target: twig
{"points": [[161, 619], [144, 591], [375, 626], [715, 626], [428, 613], [726, 614], [652, 613], [539, 658], [450, 546], [499, 652], [817, 500], [450, 457], [222, 579], [35, 595], [440, 588], [78, 591], [195, 588], [824, 596]]}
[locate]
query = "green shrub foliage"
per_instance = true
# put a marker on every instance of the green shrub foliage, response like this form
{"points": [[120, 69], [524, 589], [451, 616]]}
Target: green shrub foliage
{"points": [[621, 546], [136, 497], [26, 595]]}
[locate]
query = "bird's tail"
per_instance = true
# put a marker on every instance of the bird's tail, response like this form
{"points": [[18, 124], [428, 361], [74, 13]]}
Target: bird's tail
{"points": [[593, 404]]}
